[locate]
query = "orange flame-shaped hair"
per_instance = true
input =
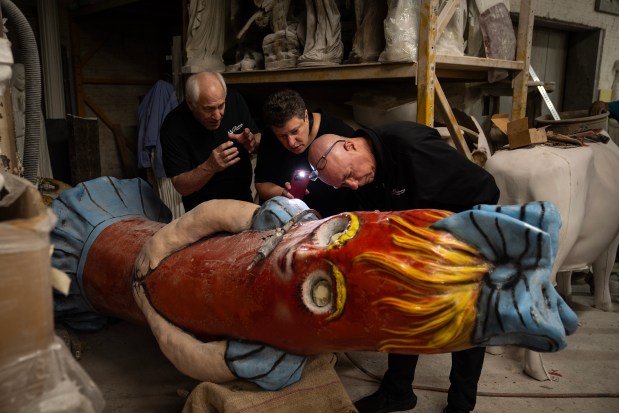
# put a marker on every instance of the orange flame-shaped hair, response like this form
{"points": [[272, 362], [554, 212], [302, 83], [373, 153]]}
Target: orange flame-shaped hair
{"points": [[441, 277]]}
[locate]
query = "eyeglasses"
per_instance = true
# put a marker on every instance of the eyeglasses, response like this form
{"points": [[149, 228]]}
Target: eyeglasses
{"points": [[322, 161]]}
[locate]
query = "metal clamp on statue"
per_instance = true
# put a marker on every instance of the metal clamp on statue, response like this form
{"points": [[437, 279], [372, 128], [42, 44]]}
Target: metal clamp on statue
{"points": [[230, 291]]}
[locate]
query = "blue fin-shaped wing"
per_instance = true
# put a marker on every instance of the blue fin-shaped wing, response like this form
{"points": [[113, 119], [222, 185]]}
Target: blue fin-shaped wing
{"points": [[517, 304], [542, 215]]}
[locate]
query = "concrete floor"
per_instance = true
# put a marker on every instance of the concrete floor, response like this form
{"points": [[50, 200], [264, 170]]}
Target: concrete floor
{"points": [[126, 364]]}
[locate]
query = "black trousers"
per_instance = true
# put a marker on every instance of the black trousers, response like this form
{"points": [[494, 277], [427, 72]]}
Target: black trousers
{"points": [[466, 366]]}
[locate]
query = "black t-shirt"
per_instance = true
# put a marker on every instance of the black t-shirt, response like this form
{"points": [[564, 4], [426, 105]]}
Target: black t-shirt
{"points": [[185, 144], [276, 164], [417, 169]]}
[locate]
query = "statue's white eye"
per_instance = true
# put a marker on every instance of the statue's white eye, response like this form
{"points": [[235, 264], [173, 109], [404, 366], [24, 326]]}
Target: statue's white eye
{"points": [[318, 292], [325, 294], [321, 293], [337, 231]]}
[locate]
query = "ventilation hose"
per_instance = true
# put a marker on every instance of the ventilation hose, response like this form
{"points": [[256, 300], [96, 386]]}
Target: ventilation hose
{"points": [[32, 68]]}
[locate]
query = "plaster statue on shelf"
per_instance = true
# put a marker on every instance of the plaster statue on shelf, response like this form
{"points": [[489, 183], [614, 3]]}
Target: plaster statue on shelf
{"points": [[268, 13], [281, 48], [323, 38], [369, 39], [497, 34], [205, 36], [247, 60], [451, 40], [401, 32]]}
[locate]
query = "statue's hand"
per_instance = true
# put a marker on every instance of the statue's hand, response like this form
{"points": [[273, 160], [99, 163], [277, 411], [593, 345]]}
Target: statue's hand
{"points": [[151, 255]]}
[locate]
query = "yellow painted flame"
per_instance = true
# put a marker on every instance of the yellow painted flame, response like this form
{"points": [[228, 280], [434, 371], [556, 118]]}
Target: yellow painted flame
{"points": [[440, 276]]}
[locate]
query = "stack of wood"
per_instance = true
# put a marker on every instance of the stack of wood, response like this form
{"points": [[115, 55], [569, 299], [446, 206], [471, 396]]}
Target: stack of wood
{"points": [[577, 138]]}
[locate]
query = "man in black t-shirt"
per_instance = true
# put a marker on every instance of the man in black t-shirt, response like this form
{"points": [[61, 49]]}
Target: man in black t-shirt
{"points": [[207, 140], [290, 130], [401, 166]]}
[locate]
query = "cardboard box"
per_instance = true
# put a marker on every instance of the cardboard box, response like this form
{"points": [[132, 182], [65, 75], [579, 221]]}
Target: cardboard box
{"points": [[518, 132]]}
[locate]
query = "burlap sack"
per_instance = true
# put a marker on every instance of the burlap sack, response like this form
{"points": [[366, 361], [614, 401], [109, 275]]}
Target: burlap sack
{"points": [[319, 390]]}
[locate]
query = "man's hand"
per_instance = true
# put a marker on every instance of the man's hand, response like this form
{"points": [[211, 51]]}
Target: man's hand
{"points": [[222, 157], [286, 191], [247, 139], [598, 108]]}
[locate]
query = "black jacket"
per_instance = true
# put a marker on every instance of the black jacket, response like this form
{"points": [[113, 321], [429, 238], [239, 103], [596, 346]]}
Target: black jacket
{"points": [[416, 169]]}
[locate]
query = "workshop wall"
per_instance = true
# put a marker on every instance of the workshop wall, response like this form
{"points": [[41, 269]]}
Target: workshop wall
{"points": [[118, 56], [583, 12]]}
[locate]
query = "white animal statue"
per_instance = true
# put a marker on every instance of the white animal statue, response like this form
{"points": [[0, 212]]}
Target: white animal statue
{"points": [[583, 182]]}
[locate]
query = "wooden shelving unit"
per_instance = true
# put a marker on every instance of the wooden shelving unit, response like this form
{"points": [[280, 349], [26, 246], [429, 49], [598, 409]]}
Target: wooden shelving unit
{"points": [[430, 65], [425, 73]]}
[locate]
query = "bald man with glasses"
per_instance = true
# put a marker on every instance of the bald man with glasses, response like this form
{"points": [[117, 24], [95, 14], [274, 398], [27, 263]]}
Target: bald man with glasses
{"points": [[322, 161], [401, 166]]}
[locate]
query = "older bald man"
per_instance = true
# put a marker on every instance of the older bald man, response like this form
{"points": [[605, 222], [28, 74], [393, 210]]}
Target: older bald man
{"points": [[207, 140]]}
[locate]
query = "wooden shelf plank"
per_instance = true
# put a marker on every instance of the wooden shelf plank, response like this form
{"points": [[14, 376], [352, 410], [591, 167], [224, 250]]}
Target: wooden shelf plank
{"points": [[447, 66], [470, 63], [325, 73]]}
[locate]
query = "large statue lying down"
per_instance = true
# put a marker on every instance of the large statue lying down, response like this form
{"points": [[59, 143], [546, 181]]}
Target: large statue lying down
{"points": [[232, 289]]}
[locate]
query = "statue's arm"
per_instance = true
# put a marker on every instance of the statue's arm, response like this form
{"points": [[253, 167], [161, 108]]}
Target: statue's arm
{"points": [[218, 215]]}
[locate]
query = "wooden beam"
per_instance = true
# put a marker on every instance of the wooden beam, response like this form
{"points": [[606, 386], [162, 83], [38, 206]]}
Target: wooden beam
{"points": [[99, 112], [426, 62], [523, 54], [452, 124], [446, 14], [77, 68]]}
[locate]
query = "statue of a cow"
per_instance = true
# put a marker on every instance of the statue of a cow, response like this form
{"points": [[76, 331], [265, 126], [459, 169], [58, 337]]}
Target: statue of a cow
{"points": [[583, 182]]}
